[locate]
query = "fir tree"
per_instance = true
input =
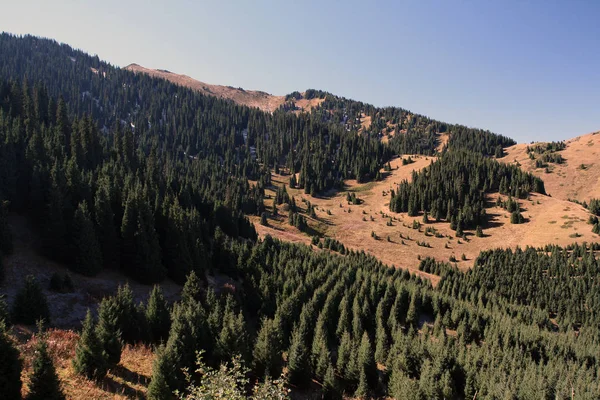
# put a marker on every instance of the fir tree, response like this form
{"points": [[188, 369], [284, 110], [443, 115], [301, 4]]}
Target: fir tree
{"points": [[105, 226], [131, 319], [233, 338], [87, 257], [192, 290], [158, 316], [330, 386], [366, 364], [162, 371], [298, 359], [44, 383], [90, 358], [30, 304], [107, 330], [267, 350]]}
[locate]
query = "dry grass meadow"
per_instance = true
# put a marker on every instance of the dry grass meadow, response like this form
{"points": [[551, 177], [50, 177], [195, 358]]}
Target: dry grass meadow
{"points": [[550, 220]]}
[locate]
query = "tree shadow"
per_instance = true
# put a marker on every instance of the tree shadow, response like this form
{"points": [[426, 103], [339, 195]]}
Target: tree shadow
{"points": [[125, 387], [130, 376]]}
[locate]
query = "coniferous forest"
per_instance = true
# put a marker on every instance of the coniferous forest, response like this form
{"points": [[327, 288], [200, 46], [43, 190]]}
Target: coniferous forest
{"points": [[120, 171]]}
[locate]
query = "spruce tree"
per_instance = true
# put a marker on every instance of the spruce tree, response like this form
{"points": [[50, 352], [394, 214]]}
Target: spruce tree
{"points": [[189, 334], [131, 319], [44, 383], [366, 363], [345, 350], [107, 330], [87, 258], [192, 289], [30, 304], [298, 359], [105, 225], [158, 316], [10, 367], [320, 356], [162, 375], [233, 338], [267, 350], [90, 358], [330, 386]]}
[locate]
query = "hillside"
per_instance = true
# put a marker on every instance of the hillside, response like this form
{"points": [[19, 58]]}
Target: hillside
{"points": [[392, 266], [550, 220], [578, 178]]}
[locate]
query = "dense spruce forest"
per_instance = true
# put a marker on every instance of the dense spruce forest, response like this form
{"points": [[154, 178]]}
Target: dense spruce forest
{"points": [[124, 172], [454, 188]]}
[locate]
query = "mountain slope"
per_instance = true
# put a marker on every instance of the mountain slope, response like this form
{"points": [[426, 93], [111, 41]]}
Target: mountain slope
{"points": [[577, 178]]}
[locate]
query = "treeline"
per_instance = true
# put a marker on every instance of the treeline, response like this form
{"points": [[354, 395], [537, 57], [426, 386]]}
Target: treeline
{"points": [[478, 141], [454, 188]]}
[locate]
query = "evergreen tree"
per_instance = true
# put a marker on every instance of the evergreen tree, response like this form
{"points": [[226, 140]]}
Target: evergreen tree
{"points": [[30, 304], [105, 225], [233, 339], [345, 351], [44, 383], [90, 358], [158, 316], [87, 257], [192, 290], [162, 371], [107, 330], [298, 359], [366, 365], [189, 334], [10, 367], [320, 356], [330, 387], [267, 350], [131, 319]]}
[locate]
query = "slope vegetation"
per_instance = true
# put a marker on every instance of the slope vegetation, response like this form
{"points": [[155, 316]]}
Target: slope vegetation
{"points": [[368, 225]]}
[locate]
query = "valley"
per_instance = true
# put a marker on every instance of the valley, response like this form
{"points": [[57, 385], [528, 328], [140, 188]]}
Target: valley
{"points": [[289, 247]]}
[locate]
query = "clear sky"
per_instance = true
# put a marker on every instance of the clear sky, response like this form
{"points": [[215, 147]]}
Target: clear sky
{"points": [[526, 69]]}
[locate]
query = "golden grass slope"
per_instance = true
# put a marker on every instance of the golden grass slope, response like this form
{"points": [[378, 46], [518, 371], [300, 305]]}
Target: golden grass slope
{"points": [[128, 380], [550, 221], [578, 178]]}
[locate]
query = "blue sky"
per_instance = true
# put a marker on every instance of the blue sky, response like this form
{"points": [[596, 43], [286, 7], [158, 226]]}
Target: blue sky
{"points": [[526, 69]]}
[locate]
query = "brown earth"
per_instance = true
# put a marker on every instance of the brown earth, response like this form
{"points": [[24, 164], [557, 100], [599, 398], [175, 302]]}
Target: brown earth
{"points": [[550, 220], [578, 178]]}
